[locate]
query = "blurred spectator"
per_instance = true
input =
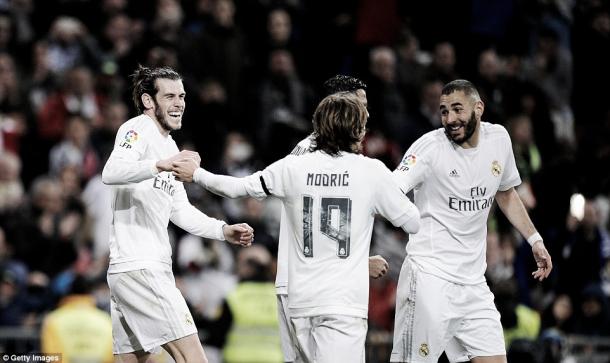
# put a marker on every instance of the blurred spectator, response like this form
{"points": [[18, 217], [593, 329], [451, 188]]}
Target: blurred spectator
{"points": [[410, 66], [550, 67], [593, 314], [426, 117], [518, 321], [102, 137], [41, 81], [443, 62], [225, 53], [490, 81], [77, 329], [43, 236], [166, 25], [96, 198], [207, 279], [279, 35], [254, 334], [13, 275], [284, 107], [585, 252], [11, 187], [527, 156], [558, 317], [386, 102], [70, 45], [77, 96], [207, 121], [11, 94], [119, 44], [16, 30], [75, 150]]}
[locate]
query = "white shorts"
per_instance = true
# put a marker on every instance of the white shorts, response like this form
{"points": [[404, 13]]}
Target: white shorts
{"points": [[147, 311], [287, 336], [434, 315], [330, 338]]}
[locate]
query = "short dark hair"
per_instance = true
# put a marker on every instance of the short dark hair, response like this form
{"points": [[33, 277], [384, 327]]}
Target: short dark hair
{"points": [[342, 83], [339, 123], [461, 85], [144, 81]]}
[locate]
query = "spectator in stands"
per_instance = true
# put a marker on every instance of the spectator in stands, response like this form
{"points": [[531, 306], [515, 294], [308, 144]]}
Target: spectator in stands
{"points": [[388, 110], [77, 96], [409, 67], [284, 107], [13, 280], [11, 187], [558, 317], [75, 150], [70, 46], [518, 320], [550, 68], [593, 314], [443, 62], [527, 156], [77, 329], [425, 117], [254, 335], [43, 235], [224, 46], [585, 252]]}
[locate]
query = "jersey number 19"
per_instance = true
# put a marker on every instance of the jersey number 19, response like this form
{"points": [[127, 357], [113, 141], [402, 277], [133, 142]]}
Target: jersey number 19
{"points": [[335, 220]]}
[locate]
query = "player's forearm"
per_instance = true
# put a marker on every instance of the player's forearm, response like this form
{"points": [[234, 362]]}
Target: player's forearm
{"points": [[223, 185], [511, 205], [195, 222], [412, 224], [120, 171]]}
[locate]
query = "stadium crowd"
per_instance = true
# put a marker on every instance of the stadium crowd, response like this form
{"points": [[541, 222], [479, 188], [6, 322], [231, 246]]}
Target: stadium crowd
{"points": [[253, 74]]}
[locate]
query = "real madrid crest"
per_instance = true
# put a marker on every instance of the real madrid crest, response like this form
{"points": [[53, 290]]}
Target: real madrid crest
{"points": [[496, 169], [424, 350]]}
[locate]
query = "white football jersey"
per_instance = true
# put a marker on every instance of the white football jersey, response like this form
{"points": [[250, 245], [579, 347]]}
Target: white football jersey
{"points": [[144, 201], [454, 189], [330, 204], [281, 277]]}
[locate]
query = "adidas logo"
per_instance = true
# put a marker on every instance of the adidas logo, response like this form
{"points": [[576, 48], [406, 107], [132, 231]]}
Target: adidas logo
{"points": [[454, 174]]}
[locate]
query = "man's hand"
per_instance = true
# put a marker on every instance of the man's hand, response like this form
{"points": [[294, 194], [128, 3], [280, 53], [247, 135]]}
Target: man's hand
{"points": [[378, 266], [183, 170], [166, 164], [543, 261], [239, 234]]}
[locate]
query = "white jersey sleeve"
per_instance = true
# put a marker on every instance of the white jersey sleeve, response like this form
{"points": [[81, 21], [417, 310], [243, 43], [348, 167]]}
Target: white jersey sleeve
{"points": [[415, 165], [392, 203], [271, 180], [191, 219], [124, 164], [510, 176]]}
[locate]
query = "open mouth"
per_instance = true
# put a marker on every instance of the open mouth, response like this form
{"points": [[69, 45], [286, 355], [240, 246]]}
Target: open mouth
{"points": [[455, 128], [175, 115]]}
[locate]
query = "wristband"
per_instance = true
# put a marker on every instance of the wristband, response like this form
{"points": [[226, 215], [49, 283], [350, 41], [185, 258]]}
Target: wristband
{"points": [[533, 238]]}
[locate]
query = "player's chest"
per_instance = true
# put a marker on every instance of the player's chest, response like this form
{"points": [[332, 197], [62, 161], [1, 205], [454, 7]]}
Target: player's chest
{"points": [[470, 175]]}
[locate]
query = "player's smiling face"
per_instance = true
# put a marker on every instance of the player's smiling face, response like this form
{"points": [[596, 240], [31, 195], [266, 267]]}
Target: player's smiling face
{"points": [[460, 116], [169, 103]]}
